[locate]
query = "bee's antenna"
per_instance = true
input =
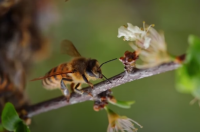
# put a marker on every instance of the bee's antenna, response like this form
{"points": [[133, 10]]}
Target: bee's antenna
{"points": [[106, 79], [107, 62]]}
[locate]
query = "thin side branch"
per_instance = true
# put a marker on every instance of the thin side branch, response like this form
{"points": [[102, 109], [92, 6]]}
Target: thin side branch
{"points": [[117, 80]]}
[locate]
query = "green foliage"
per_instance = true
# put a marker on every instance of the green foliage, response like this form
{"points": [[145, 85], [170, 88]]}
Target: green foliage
{"points": [[22, 128], [11, 121], [123, 104], [193, 57], [10, 118], [188, 75], [184, 82]]}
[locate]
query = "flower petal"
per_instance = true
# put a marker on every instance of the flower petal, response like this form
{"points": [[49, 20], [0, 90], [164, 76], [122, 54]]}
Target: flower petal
{"points": [[123, 31], [147, 41], [134, 29]]}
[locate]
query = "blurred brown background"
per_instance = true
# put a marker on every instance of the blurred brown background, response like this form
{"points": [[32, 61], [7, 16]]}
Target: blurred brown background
{"points": [[92, 27]]}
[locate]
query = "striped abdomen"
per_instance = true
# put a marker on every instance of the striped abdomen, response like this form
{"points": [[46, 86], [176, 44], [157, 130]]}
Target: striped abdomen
{"points": [[53, 81]]}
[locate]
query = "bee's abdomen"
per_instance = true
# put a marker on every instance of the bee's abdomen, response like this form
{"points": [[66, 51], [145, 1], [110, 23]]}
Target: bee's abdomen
{"points": [[54, 81]]}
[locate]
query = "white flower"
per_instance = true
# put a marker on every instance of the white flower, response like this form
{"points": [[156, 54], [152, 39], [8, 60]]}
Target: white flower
{"points": [[120, 123], [156, 53], [134, 33]]}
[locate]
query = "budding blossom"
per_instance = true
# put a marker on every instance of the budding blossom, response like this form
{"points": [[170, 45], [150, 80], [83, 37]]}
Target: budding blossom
{"points": [[135, 34], [129, 59], [119, 123]]}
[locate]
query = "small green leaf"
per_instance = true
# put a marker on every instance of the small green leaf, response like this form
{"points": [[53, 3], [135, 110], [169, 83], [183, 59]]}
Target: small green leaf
{"points": [[193, 57], [184, 82], [188, 76], [21, 127], [192, 39], [123, 104], [9, 117]]}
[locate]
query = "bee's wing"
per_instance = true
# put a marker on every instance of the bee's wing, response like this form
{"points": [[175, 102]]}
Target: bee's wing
{"points": [[54, 74], [68, 47]]}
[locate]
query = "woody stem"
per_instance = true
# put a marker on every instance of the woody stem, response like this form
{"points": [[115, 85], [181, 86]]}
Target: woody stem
{"points": [[116, 80]]}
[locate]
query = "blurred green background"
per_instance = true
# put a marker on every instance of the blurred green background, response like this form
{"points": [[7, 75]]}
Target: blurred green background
{"points": [[92, 26]]}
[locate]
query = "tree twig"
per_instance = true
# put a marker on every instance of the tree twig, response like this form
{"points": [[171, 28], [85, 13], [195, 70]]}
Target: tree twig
{"points": [[117, 80]]}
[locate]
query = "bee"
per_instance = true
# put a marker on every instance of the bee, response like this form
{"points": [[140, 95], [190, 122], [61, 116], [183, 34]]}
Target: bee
{"points": [[74, 73]]}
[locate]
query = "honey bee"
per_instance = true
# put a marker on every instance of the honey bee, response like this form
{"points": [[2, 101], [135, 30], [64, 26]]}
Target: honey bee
{"points": [[75, 72]]}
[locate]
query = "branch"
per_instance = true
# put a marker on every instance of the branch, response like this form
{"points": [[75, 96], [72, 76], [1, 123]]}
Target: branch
{"points": [[117, 80]]}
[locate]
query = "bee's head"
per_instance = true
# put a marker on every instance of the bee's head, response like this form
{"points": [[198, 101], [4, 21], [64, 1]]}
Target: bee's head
{"points": [[93, 69]]}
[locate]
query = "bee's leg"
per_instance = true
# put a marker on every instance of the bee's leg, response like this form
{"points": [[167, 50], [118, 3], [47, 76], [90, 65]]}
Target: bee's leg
{"points": [[72, 86], [78, 90], [64, 89], [86, 80]]}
